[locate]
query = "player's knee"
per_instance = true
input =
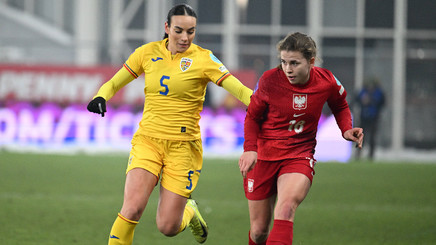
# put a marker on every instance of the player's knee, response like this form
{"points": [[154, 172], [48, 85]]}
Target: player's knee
{"points": [[168, 229], [259, 234], [286, 211]]}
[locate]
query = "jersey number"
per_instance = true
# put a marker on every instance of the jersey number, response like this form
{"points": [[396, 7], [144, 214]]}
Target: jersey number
{"points": [[189, 187], [164, 85], [296, 126]]}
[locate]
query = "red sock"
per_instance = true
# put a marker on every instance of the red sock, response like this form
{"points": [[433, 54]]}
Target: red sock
{"points": [[281, 233], [250, 242]]}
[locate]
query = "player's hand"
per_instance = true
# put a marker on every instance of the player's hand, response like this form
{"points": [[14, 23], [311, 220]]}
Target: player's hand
{"points": [[247, 161], [355, 135], [97, 105]]}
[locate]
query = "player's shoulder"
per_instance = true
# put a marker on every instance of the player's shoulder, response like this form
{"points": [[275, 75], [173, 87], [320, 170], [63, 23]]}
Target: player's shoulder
{"points": [[326, 78], [270, 75], [322, 72], [206, 57], [145, 50], [200, 52], [268, 78], [324, 75], [148, 47], [197, 48]]}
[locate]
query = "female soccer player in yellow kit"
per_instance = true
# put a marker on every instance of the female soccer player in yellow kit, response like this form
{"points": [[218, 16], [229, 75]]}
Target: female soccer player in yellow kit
{"points": [[167, 144]]}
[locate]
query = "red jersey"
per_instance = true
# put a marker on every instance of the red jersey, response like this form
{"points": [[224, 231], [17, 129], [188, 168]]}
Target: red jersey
{"points": [[282, 118]]}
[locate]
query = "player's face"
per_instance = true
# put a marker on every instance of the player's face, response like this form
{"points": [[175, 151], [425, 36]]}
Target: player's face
{"points": [[295, 66], [180, 33]]}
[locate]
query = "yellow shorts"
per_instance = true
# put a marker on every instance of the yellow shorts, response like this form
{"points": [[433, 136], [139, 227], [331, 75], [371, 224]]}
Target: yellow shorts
{"points": [[177, 163]]}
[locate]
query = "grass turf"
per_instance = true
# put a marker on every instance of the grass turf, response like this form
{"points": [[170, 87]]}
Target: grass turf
{"points": [[54, 199]]}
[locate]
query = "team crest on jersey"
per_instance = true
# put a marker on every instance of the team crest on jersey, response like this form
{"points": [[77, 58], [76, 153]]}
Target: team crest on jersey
{"points": [[300, 101], [185, 63], [250, 185]]}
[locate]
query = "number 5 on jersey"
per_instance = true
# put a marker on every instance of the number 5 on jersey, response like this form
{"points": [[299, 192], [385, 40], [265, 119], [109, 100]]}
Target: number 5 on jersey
{"points": [[164, 85]]}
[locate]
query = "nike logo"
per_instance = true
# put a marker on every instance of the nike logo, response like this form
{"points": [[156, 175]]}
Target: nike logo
{"points": [[158, 58], [298, 115], [204, 230], [114, 237]]}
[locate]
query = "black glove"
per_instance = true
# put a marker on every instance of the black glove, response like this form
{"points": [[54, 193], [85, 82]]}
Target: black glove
{"points": [[97, 105]]}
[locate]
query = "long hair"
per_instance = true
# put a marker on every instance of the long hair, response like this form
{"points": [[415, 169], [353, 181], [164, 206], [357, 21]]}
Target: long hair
{"points": [[180, 9]]}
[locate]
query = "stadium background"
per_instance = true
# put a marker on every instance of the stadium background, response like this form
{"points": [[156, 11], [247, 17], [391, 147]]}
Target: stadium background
{"points": [[61, 51]]}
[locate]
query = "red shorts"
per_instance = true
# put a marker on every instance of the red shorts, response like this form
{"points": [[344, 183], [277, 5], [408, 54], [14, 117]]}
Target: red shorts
{"points": [[261, 181]]}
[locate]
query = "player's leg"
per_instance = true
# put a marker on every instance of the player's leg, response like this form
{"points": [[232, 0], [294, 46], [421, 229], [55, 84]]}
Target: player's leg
{"points": [[138, 187], [292, 188], [170, 212], [143, 169], [261, 212], [176, 212], [260, 188], [180, 176]]}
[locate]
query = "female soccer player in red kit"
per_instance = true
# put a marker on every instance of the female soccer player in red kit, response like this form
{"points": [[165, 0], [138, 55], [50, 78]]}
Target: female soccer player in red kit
{"points": [[280, 129]]}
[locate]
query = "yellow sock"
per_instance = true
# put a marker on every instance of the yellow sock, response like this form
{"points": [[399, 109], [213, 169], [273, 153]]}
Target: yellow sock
{"points": [[188, 213], [122, 231]]}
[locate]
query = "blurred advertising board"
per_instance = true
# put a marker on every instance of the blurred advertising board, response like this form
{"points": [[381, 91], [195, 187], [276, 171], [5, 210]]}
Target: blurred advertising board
{"points": [[43, 109]]}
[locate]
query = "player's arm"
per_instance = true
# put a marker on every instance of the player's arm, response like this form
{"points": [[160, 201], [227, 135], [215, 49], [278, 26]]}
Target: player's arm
{"points": [[341, 110], [252, 126], [111, 87], [342, 113], [251, 130], [108, 90], [249, 157], [343, 119], [237, 89], [255, 116]]}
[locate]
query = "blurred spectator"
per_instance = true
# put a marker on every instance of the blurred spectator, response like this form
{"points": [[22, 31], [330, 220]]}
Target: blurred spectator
{"points": [[371, 100]]}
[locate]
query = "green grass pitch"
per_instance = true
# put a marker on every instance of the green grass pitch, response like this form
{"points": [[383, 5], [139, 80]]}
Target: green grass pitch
{"points": [[54, 199]]}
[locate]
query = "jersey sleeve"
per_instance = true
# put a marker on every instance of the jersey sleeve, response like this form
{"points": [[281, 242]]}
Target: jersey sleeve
{"points": [[132, 68], [111, 87], [214, 69], [237, 89], [254, 118], [135, 63], [339, 106]]}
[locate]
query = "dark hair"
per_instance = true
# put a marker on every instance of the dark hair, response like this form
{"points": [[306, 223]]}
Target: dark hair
{"points": [[298, 42], [180, 9]]}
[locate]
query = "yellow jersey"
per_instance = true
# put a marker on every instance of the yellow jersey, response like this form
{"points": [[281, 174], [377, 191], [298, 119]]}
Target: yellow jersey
{"points": [[175, 86]]}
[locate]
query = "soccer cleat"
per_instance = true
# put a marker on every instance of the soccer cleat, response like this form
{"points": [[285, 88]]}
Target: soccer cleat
{"points": [[197, 224]]}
